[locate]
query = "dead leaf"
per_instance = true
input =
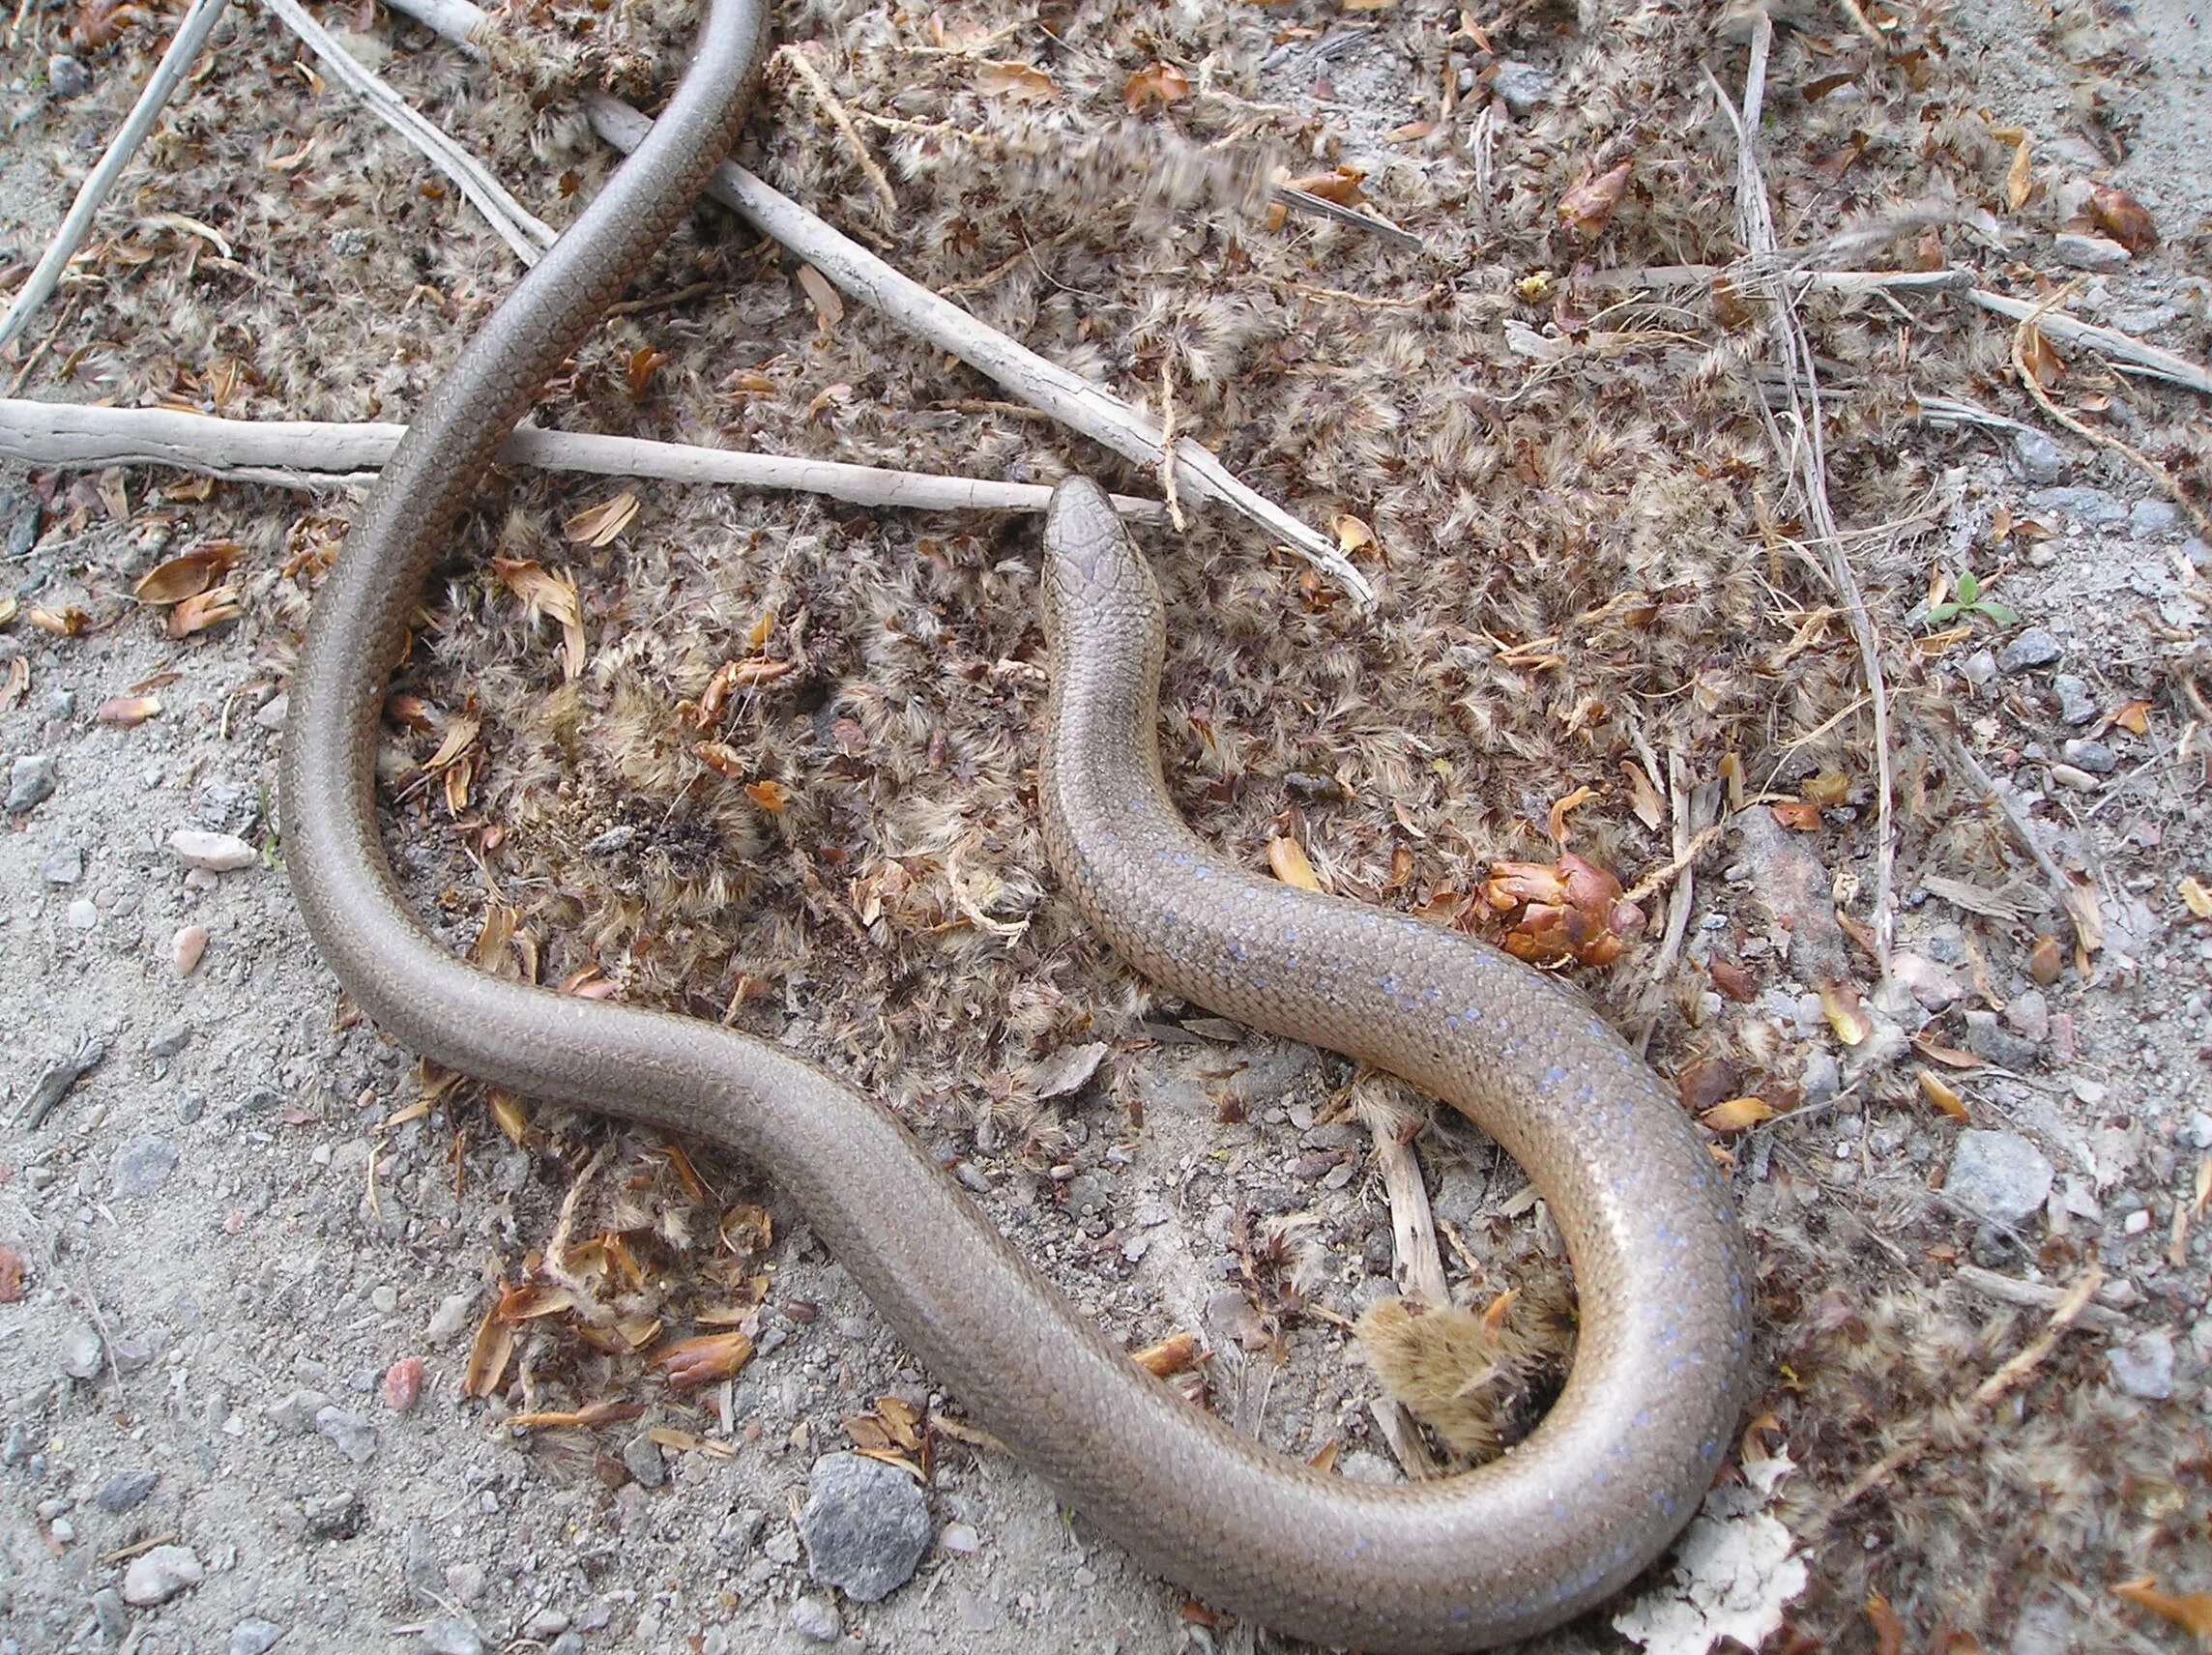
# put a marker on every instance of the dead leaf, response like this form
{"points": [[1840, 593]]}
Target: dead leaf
{"points": [[202, 610], [1164, 84], [67, 622], [1888, 1630], [509, 1115], [2195, 897], [769, 795], [1939, 1092], [637, 372], [489, 1355], [2041, 360], [187, 574], [605, 1411], [704, 1360], [1171, 1355], [1354, 535], [1644, 797], [829, 305], [2045, 961], [2020, 176], [2121, 217], [596, 526], [2134, 716], [11, 1274], [460, 731], [1845, 1012], [1796, 815], [1589, 205], [553, 593], [2191, 1611], [1340, 187], [1287, 861], [125, 712], [1016, 82], [721, 757], [1737, 1115]]}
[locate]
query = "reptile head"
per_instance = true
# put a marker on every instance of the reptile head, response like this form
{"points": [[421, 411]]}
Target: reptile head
{"points": [[1091, 565]]}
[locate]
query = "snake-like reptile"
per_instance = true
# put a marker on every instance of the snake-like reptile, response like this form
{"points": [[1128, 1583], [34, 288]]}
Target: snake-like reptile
{"points": [[1496, 1554]]}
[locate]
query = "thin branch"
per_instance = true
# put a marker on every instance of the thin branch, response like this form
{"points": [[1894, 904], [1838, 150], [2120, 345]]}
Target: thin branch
{"points": [[298, 453], [184, 45], [834, 107], [2125, 350], [514, 224], [1807, 456], [1128, 431]]}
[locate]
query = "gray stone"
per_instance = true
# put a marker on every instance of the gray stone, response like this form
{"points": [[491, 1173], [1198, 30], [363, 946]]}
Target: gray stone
{"points": [[2076, 705], [2033, 648], [2037, 455], [2199, 1131], [2144, 1367], [1987, 1037], [450, 1636], [354, 1435], [217, 852], [297, 1411], [570, 1643], [2029, 1015], [2088, 253], [156, 1577], [865, 1525], [68, 77], [125, 1490], [1979, 669], [2090, 506], [114, 1617], [139, 1167], [2148, 517], [82, 1357], [454, 1313], [254, 1635], [82, 915], [64, 866], [1998, 1175], [815, 1619], [1523, 85], [168, 1040], [641, 1456], [960, 1538], [30, 782], [2093, 756]]}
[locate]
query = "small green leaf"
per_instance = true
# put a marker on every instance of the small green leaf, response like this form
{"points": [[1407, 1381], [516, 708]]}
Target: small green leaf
{"points": [[1942, 612], [1969, 590], [1998, 615]]}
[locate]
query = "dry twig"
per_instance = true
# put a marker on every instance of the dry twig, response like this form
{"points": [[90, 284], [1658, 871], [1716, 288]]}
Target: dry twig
{"points": [[193, 31], [301, 453], [834, 106]]}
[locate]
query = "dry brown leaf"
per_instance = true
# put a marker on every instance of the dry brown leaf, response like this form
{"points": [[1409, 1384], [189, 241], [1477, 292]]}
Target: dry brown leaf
{"points": [[2020, 176], [605, 1411], [2046, 960], [1941, 1092], [2190, 1611], [1796, 815], [67, 622], [2041, 360], [1341, 187], [829, 305], [1950, 1056], [1171, 1355], [1845, 1012], [460, 732], [489, 1355], [720, 756], [1164, 84], [553, 592], [639, 369], [769, 795], [1016, 82], [10, 603], [594, 526], [205, 609], [509, 1115], [1287, 861], [2195, 897], [123, 712], [187, 574], [1354, 535], [1737, 1115], [11, 1274], [704, 1360], [1644, 799], [2134, 716], [1413, 131], [1888, 1630], [18, 686], [2121, 217], [1587, 208]]}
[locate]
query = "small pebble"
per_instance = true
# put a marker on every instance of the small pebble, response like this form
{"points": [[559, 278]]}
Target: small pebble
{"points": [[960, 1537], [142, 1166], [2136, 1222], [216, 852], [187, 947], [2144, 1367], [1998, 1175], [454, 1313], [64, 866], [83, 916], [108, 1608], [68, 77], [30, 782], [1523, 85], [450, 1636], [2080, 781], [62, 1530], [354, 1435], [82, 1357], [156, 1577], [125, 1490], [2038, 456], [2090, 506], [2151, 517], [2076, 705], [254, 1635], [2034, 648], [641, 1457], [2090, 755], [815, 1619], [2088, 253], [403, 1385], [866, 1524], [545, 1623]]}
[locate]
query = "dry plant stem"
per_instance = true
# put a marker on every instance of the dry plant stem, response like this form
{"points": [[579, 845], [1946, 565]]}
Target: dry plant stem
{"points": [[835, 108], [2125, 350], [2062, 886], [1412, 1225], [1807, 456], [2037, 1295], [2014, 1372], [2168, 482], [510, 220], [192, 34], [297, 453], [1044, 385], [1321, 207]]}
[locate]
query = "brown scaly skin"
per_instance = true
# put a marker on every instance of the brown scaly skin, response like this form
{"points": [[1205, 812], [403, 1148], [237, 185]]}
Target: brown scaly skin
{"points": [[1480, 1559]]}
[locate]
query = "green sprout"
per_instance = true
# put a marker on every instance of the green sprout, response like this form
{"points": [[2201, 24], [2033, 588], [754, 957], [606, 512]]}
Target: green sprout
{"points": [[1966, 599]]}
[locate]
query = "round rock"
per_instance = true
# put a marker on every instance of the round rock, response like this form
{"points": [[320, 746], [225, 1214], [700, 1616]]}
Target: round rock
{"points": [[866, 1524], [254, 1635], [2144, 1367], [815, 1620], [140, 1165], [1998, 1175], [156, 1577]]}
